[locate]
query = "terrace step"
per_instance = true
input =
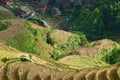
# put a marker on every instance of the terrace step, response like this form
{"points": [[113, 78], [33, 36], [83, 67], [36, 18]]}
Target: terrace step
{"points": [[112, 73], [58, 75], [24, 68], [34, 74], [91, 75], [118, 72], [3, 72], [47, 75], [69, 76], [101, 75], [81, 75], [12, 71]]}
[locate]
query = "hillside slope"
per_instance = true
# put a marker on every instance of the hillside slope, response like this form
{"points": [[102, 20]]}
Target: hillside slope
{"points": [[20, 66], [37, 39], [5, 14]]}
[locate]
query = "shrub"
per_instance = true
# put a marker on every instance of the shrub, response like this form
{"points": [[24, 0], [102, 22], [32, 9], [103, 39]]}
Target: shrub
{"points": [[110, 57], [24, 42], [4, 26], [50, 40], [113, 57], [74, 42]]}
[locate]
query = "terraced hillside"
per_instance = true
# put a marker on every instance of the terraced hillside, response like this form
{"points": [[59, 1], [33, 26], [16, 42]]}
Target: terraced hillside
{"points": [[16, 65], [32, 52], [40, 39], [32, 71]]}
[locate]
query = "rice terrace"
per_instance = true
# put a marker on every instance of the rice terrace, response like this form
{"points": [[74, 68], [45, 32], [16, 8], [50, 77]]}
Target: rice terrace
{"points": [[59, 40]]}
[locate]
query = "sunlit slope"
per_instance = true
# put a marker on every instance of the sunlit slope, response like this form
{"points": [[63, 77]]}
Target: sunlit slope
{"points": [[17, 65]]}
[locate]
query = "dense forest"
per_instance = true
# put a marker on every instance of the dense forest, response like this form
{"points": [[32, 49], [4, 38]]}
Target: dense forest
{"points": [[101, 22]]}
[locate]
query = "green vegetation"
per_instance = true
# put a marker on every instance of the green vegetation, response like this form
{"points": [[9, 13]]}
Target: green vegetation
{"points": [[50, 40], [33, 41], [5, 14], [4, 25], [110, 57], [36, 32], [113, 57], [74, 42], [54, 53], [83, 62], [104, 20], [24, 42]]}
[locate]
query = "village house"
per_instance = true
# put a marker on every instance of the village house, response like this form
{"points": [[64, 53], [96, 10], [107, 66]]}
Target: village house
{"points": [[6, 2], [42, 6]]}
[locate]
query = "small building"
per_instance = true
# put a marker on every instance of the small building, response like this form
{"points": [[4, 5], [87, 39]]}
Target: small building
{"points": [[42, 5], [55, 12]]}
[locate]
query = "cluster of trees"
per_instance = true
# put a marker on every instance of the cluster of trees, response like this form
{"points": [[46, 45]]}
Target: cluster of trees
{"points": [[101, 22]]}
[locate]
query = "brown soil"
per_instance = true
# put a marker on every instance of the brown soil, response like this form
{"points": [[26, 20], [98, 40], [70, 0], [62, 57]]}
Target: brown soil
{"points": [[14, 29], [32, 71], [81, 75], [86, 51], [69, 76], [101, 74], [61, 36], [3, 72], [103, 44], [36, 71], [33, 74], [46, 75], [118, 72], [37, 26], [12, 70], [44, 47], [91, 75], [24, 69], [112, 73], [58, 75]]}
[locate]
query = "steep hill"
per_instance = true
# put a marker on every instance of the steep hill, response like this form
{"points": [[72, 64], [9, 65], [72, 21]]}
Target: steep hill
{"points": [[37, 39], [21, 66]]}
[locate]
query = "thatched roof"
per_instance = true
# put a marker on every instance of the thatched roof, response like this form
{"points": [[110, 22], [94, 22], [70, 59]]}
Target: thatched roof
{"points": [[43, 3]]}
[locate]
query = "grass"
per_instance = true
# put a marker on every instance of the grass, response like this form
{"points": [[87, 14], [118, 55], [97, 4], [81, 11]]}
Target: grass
{"points": [[5, 14], [83, 62], [29, 43]]}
